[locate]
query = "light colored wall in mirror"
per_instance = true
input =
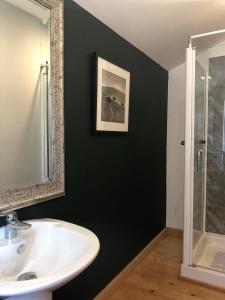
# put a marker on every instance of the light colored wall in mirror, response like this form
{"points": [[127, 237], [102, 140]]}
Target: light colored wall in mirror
{"points": [[24, 45], [175, 133]]}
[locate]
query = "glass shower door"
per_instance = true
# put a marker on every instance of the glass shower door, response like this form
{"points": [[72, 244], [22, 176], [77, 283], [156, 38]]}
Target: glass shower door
{"points": [[208, 249], [204, 189], [199, 152]]}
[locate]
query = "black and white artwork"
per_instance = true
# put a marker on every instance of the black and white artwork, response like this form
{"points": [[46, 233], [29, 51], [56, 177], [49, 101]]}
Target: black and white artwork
{"points": [[113, 85], [113, 97]]}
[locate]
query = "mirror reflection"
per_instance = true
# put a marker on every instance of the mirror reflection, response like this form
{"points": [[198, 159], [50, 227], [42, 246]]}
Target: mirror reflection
{"points": [[25, 114]]}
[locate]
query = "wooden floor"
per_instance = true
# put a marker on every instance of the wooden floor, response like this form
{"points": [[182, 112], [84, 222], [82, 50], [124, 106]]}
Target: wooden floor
{"points": [[157, 277]]}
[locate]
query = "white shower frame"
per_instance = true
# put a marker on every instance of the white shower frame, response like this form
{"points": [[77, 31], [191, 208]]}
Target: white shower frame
{"points": [[189, 271]]}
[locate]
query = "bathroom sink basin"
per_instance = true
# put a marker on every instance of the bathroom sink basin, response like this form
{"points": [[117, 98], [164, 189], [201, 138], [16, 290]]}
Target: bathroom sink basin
{"points": [[44, 257]]}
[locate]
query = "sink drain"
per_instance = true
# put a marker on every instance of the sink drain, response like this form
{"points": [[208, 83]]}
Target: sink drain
{"points": [[27, 276]]}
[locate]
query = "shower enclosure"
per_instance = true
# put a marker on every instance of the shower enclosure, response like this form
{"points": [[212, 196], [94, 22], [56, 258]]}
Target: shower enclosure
{"points": [[204, 211]]}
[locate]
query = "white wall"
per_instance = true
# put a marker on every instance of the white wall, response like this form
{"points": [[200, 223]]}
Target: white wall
{"points": [[175, 151], [24, 45]]}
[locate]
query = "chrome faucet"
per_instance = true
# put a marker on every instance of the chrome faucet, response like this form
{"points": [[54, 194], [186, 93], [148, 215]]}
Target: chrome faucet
{"points": [[13, 224]]}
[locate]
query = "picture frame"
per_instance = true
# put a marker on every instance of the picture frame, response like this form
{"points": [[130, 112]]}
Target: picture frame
{"points": [[112, 96]]}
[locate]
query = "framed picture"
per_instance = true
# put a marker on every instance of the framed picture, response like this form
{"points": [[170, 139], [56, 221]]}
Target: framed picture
{"points": [[113, 87]]}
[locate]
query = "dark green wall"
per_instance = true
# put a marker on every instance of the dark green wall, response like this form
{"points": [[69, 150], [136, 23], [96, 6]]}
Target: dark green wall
{"points": [[115, 184]]}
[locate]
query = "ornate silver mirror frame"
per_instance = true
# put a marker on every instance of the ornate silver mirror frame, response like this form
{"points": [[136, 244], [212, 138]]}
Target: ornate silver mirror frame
{"points": [[24, 196]]}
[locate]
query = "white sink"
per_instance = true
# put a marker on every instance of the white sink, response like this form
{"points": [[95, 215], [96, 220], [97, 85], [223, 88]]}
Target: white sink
{"points": [[56, 251]]}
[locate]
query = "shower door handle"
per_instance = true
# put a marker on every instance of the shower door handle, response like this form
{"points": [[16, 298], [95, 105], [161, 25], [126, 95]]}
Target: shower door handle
{"points": [[200, 152], [222, 159]]}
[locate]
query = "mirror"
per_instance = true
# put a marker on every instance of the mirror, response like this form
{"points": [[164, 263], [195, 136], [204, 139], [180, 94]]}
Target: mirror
{"points": [[31, 100]]}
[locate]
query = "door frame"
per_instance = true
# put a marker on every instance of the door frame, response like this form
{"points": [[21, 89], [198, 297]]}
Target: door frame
{"points": [[189, 157]]}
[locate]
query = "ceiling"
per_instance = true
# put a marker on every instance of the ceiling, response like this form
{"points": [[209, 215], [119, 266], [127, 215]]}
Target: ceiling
{"points": [[160, 28]]}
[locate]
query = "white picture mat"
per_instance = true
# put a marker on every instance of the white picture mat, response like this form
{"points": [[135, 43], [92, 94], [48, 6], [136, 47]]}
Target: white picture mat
{"points": [[111, 126]]}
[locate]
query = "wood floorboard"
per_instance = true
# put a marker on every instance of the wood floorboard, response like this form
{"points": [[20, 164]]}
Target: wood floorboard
{"points": [[157, 277]]}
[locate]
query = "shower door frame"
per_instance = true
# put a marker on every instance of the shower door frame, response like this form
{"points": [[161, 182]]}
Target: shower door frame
{"points": [[189, 157], [189, 271]]}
